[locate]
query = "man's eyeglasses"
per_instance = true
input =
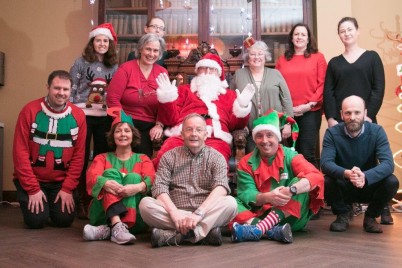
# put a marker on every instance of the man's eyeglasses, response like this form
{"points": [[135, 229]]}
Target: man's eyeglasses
{"points": [[156, 27], [192, 130]]}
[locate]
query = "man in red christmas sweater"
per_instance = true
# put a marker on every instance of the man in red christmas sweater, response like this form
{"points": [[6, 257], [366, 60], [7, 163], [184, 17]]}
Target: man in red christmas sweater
{"points": [[278, 190], [48, 154], [224, 110]]}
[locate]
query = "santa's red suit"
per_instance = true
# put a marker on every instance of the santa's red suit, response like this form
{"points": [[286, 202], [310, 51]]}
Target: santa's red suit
{"points": [[223, 113]]}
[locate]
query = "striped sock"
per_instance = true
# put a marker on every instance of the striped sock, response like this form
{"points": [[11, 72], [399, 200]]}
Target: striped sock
{"points": [[268, 222]]}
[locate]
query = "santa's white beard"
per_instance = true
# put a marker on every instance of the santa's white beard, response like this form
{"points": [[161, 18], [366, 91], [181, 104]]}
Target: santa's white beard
{"points": [[207, 86]]}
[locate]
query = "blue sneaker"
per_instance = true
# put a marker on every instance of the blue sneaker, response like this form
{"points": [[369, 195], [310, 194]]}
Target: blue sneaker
{"points": [[245, 232], [281, 233]]}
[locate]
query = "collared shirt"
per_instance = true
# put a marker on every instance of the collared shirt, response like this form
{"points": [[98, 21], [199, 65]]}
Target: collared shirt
{"points": [[347, 133], [188, 179]]}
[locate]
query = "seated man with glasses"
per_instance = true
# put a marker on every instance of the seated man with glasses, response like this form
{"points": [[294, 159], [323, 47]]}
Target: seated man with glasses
{"points": [[224, 110], [191, 192], [154, 25]]}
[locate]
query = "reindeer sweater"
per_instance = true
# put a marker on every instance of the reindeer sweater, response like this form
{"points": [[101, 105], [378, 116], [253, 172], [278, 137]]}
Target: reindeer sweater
{"points": [[84, 74], [56, 137]]}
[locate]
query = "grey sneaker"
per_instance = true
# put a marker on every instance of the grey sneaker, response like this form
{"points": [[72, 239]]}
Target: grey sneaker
{"points": [[121, 235], [214, 237], [160, 238], [92, 233]]}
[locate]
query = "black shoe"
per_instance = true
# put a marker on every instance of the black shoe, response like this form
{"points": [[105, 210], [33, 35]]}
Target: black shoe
{"points": [[386, 217], [371, 225], [341, 223], [160, 238], [214, 237]]}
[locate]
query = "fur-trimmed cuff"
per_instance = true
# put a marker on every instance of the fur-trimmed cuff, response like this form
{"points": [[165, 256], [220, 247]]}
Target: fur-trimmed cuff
{"points": [[167, 95], [239, 111]]}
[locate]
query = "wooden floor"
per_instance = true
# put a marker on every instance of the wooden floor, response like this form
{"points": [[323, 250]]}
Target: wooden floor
{"points": [[317, 247]]}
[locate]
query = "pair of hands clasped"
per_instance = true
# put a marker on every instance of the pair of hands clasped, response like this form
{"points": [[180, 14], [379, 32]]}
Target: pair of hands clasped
{"points": [[356, 177], [279, 196], [184, 222], [165, 87], [117, 189]]}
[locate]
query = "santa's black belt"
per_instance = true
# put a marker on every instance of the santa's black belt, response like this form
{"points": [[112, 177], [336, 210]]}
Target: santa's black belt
{"points": [[206, 116], [52, 136]]}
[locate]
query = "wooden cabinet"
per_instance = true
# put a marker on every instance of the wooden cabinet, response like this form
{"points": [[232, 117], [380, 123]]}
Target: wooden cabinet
{"points": [[222, 23]]}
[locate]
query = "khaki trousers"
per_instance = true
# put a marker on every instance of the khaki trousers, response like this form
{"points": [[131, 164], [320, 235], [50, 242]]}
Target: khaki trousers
{"points": [[219, 213]]}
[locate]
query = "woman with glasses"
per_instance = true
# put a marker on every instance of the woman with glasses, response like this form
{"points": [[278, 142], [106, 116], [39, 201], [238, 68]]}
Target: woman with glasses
{"points": [[154, 25], [271, 89], [133, 89], [303, 68]]}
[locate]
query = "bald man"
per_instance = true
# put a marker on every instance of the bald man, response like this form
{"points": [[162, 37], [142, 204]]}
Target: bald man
{"points": [[358, 165]]}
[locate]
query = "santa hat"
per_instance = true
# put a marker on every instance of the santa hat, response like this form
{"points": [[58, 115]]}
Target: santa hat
{"points": [[105, 29], [273, 121], [248, 42], [99, 81], [214, 61], [119, 116]]}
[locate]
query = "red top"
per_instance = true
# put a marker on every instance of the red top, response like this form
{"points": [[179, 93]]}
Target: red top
{"points": [[305, 78], [130, 90]]}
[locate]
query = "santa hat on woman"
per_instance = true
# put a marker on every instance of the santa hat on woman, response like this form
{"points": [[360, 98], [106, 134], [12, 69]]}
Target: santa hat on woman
{"points": [[105, 29], [214, 61]]}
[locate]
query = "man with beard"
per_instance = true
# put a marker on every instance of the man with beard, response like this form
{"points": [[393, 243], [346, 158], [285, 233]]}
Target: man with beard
{"points": [[207, 95], [358, 164]]}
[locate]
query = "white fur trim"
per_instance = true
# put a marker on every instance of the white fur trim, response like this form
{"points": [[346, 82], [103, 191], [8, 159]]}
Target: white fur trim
{"points": [[54, 115], [216, 124], [225, 85], [173, 131], [208, 63], [239, 111], [103, 31], [267, 127], [165, 96]]}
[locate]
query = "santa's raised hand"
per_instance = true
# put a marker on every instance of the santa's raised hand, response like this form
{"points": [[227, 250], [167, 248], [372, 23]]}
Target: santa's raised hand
{"points": [[246, 95], [166, 92]]}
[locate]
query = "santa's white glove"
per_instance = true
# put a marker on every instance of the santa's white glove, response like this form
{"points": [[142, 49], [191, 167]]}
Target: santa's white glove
{"points": [[246, 95], [166, 91]]}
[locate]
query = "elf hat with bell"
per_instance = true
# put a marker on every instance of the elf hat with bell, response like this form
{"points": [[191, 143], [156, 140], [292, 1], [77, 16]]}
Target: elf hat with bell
{"points": [[105, 29], [274, 121], [119, 116]]}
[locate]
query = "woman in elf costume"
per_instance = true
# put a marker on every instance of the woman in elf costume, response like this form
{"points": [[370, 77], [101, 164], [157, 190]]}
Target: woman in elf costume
{"points": [[118, 181]]}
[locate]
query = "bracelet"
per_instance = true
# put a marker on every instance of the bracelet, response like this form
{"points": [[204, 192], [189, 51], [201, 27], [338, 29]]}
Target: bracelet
{"points": [[159, 124]]}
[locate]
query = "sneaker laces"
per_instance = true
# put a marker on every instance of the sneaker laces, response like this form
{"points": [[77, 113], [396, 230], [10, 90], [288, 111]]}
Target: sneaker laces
{"points": [[248, 231], [167, 236], [120, 228]]}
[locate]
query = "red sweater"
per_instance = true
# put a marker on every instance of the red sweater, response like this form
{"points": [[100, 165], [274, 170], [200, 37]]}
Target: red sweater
{"points": [[133, 92], [65, 140], [305, 78]]}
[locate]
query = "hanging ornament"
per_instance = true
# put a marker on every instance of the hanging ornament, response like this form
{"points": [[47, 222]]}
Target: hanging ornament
{"points": [[92, 3]]}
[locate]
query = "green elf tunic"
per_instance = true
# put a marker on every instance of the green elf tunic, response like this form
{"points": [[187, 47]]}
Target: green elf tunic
{"points": [[107, 166], [257, 175]]}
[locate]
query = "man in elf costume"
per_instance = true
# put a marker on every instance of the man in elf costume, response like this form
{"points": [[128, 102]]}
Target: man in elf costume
{"points": [[207, 95], [278, 190], [48, 154]]}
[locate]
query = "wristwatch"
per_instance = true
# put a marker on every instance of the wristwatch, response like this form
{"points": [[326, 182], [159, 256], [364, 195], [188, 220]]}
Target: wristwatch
{"points": [[199, 212], [293, 190]]}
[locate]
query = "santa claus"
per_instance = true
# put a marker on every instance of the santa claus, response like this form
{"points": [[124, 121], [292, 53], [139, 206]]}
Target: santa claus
{"points": [[224, 110]]}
